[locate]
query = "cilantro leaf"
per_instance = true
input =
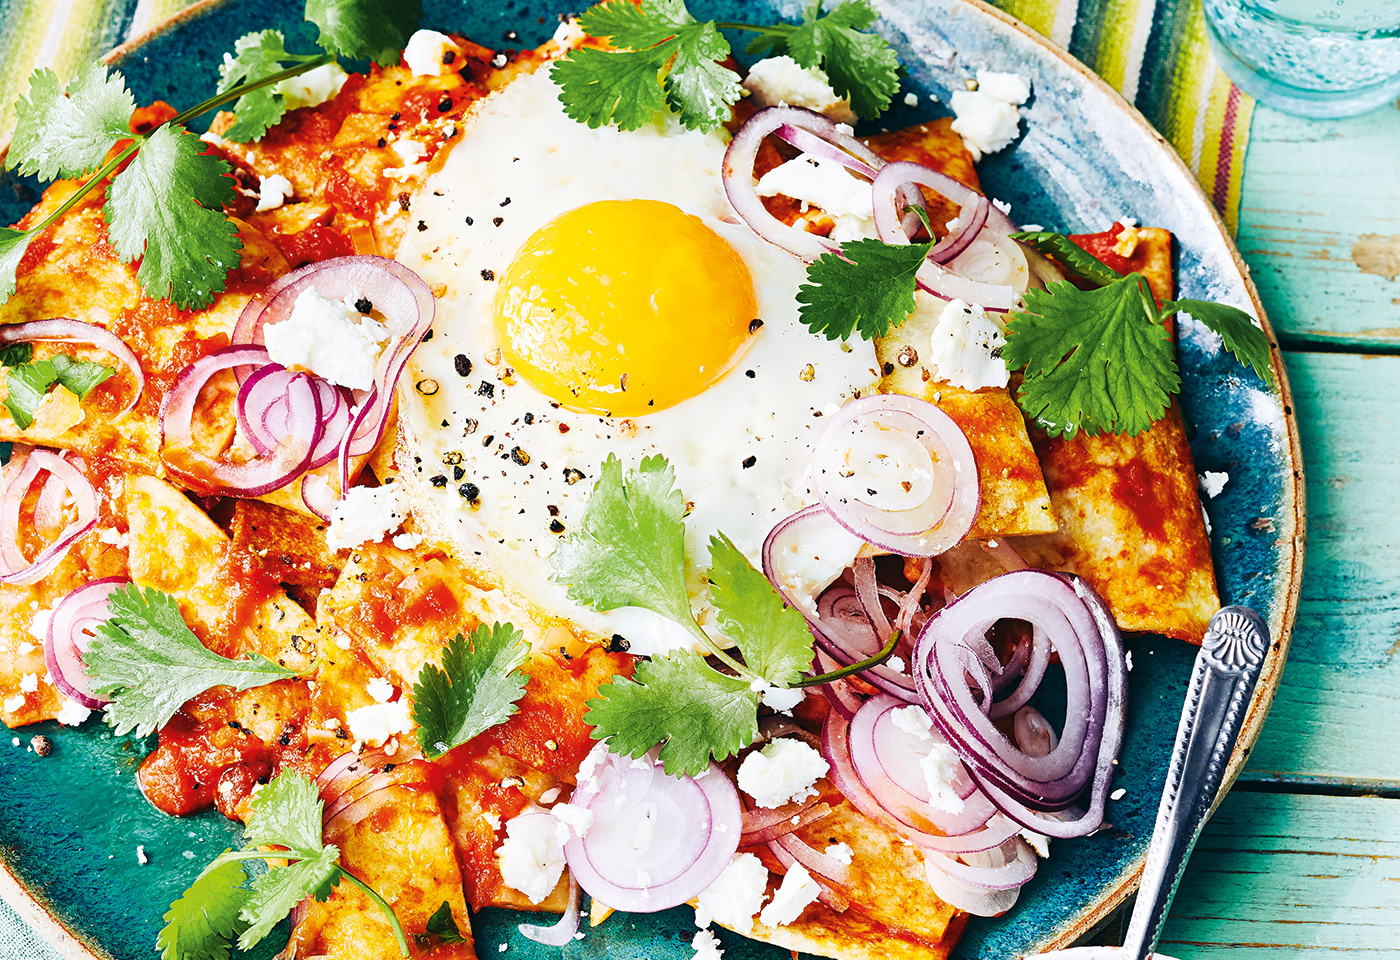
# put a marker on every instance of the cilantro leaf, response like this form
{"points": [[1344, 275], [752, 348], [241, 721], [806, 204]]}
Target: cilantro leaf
{"points": [[13, 244], [697, 710], [868, 288], [862, 67], [286, 812], [255, 56], [700, 90], [1096, 360], [1241, 335], [774, 638], [276, 892], [630, 549], [597, 87], [79, 376], [148, 662], [165, 208], [200, 923], [1070, 255], [29, 381], [634, 26], [67, 134], [476, 688], [444, 926], [16, 354], [374, 30]]}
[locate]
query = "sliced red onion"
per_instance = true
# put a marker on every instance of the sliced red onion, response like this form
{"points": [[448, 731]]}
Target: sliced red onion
{"points": [[255, 476], [25, 468], [995, 261], [72, 627], [952, 655], [813, 145], [561, 933], [370, 793], [826, 893], [891, 189], [658, 840], [985, 884], [898, 473], [1033, 732], [821, 864], [762, 825], [64, 330]]}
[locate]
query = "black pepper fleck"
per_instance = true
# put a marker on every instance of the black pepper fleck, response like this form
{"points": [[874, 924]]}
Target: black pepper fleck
{"points": [[470, 221], [444, 105], [519, 456], [458, 473], [529, 418], [383, 143], [755, 325], [572, 476], [470, 492], [488, 275], [888, 368], [462, 364], [42, 745], [469, 427], [427, 336], [553, 510], [364, 305], [750, 461], [396, 115], [556, 527], [497, 221], [750, 374], [618, 644], [405, 201], [487, 389], [422, 226], [448, 56], [505, 202], [438, 480]]}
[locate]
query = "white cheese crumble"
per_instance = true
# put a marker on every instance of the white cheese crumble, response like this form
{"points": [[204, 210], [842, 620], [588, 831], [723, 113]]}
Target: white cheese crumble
{"points": [[14, 703], [735, 896], [1212, 483], [780, 81], [381, 689], [550, 795], [841, 853], [781, 771], [407, 541], [329, 338], [571, 817], [896, 664], [379, 721], [987, 119], [365, 515], [39, 625], [798, 890], [1118, 794], [829, 186], [141, 857], [273, 191], [940, 766], [312, 88], [1039, 843], [425, 52], [913, 720], [531, 857], [706, 946], [25, 648], [781, 699], [911, 99], [29, 683], [808, 564], [965, 348], [72, 713]]}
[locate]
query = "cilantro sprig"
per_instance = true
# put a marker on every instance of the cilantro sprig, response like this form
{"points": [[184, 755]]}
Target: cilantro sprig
{"points": [[284, 824], [660, 39], [164, 202], [629, 551], [27, 381], [147, 661], [476, 687]]}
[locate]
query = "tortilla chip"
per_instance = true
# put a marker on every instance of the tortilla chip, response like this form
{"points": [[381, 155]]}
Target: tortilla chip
{"points": [[1128, 508]]}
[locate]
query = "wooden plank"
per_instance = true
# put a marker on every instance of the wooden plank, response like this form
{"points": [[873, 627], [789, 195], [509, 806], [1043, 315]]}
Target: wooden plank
{"points": [[1280, 876], [1343, 672], [1320, 226]]}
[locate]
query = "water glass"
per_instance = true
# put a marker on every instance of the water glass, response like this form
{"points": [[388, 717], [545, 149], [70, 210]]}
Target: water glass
{"points": [[1312, 58]]}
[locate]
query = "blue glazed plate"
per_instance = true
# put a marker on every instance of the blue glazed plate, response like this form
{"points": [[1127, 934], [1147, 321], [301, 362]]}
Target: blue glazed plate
{"points": [[71, 822]]}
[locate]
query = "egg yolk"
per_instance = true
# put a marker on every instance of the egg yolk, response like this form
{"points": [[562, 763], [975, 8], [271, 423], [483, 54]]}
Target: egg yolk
{"points": [[625, 307]]}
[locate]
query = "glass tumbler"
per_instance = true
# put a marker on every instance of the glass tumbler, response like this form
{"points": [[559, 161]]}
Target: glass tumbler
{"points": [[1312, 58]]}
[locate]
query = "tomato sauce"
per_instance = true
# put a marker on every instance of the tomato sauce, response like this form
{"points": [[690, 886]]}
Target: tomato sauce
{"points": [[183, 774]]}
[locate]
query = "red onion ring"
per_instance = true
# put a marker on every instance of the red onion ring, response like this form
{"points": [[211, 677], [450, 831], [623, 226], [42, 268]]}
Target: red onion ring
{"points": [[988, 883], [64, 330], [952, 647], [864, 479], [25, 469], [762, 825], [561, 933], [257, 475], [660, 839], [890, 189], [72, 626]]}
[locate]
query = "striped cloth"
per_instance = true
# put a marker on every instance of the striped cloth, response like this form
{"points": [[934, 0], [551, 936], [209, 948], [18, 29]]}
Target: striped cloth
{"points": [[1153, 51]]}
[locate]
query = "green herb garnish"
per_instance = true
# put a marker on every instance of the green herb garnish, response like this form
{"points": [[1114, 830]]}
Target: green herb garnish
{"points": [[476, 687]]}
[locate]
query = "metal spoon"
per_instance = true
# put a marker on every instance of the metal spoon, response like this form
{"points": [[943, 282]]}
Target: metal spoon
{"points": [[1222, 682]]}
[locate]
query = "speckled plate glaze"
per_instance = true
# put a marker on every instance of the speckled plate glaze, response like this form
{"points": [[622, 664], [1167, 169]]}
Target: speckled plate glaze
{"points": [[70, 823]]}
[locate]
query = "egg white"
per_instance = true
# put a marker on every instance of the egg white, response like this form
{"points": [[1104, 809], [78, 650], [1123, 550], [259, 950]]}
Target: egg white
{"points": [[740, 450]]}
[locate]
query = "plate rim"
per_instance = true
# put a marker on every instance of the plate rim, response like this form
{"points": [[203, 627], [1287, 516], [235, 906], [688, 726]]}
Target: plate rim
{"points": [[35, 909]]}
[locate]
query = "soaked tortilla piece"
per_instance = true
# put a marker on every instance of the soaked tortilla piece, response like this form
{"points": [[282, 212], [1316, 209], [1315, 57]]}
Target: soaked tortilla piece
{"points": [[1128, 507]]}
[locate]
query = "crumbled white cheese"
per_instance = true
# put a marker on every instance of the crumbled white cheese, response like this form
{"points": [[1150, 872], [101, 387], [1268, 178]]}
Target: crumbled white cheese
{"points": [[273, 191], [940, 766], [14, 703], [780, 81], [827, 185], [896, 664], [841, 853], [25, 648], [1002, 205], [965, 348], [1212, 483], [987, 119], [113, 536], [365, 515], [379, 721], [1039, 843], [531, 857], [330, 338], [571, 817], [550, 795], [798, 890], [706, 946], [735, 896], [426, 51], [1118, 794], [312, 88], [913, 720], [409, 151], [73, 713], [569, 34], [1128, 660], [407, 541], [381, 689], [782, 770], [782, 700], [141, 857], [911, 99], [39, 625], [29, 683]]}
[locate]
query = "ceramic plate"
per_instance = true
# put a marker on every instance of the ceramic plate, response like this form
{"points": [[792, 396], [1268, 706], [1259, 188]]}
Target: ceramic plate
{"points": [[71, 822]]}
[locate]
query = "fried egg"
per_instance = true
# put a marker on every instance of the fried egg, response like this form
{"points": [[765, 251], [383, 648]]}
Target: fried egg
{"points": [[597, 295]]}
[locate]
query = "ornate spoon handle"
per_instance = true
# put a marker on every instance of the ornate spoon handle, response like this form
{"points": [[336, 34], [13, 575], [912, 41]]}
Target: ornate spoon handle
{"points": [[1222, 682]]}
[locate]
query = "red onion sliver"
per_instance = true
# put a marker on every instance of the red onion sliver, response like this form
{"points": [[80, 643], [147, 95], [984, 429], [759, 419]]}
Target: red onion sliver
{"points": [[27, 469], [999, 865], [64, 330], [558, 934], [72, 626], [890, 190]]}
